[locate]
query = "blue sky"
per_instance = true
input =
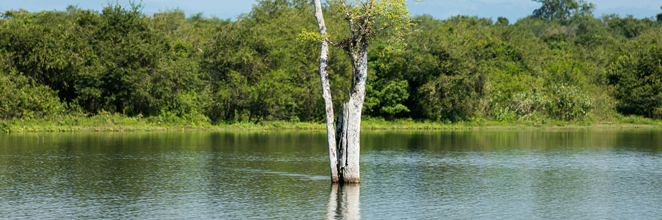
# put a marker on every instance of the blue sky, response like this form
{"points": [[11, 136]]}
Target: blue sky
{"points": [[441, 9]]}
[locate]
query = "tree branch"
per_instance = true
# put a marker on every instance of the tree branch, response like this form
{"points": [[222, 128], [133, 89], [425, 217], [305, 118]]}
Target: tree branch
{"points": [[332, 43], [346, 10], [381, 29], [364, 6], [344, 44]]}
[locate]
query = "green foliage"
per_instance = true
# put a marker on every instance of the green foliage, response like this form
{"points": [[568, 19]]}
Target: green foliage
{"points": [[311, 36], [386, 93], [127, 53], [24, 100], [179, 70], [561, 10], [260, 71], [629, 26], [636, 78], [568, 102], [113, 60], [47, 47], [451, 95], [387, 100], [502, 21], [561, 102], [527, 103], [371, 16]]}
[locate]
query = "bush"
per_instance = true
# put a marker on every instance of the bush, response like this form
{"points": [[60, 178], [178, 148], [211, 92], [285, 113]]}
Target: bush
{"points": [[561, 102], [386, 100], [636, 82], [568, 102], [20, 98], [453, 97], [527, 103]]}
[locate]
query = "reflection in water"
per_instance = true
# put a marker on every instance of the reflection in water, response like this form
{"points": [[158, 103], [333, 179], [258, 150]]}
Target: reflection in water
{"points": [[344, 202]]}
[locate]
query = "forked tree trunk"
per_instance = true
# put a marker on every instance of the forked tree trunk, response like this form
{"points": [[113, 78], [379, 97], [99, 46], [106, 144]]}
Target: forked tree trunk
{"points": [[344, 157]]}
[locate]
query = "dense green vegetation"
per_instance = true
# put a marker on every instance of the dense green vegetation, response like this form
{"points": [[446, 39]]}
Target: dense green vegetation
{"points": [[561, 64]]}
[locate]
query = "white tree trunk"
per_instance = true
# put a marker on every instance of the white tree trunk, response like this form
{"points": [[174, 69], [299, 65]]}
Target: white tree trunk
{"points": [[348, 130], [344, 157], [326, 94]]}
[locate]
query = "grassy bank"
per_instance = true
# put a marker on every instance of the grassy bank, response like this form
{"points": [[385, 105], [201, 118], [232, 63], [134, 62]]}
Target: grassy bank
{"points": [[118, 123]]}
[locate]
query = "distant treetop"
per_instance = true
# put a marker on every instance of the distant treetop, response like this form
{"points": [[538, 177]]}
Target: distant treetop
{"points": [[562, 9]]}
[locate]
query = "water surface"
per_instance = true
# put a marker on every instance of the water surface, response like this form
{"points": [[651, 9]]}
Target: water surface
{"points": [[576, 174]]}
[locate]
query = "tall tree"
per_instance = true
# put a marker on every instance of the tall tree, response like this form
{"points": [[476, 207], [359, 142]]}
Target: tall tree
{"points": [[367, 20], [562, 9]]}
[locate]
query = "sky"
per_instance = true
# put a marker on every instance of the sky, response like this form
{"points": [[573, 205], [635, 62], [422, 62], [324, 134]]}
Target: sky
{"points": [[440, 9]]}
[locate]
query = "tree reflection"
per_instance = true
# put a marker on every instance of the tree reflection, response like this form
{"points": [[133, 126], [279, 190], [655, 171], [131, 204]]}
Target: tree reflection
{"points": [[344, 202]]}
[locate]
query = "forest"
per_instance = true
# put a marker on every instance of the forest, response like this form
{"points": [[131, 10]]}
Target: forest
{"points": [[561, 63]]}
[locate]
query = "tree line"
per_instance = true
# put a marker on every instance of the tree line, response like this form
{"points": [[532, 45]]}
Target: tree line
{"points": [[560, 63]]}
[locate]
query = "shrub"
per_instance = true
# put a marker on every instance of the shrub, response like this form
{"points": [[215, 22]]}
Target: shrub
{"points": [[568, 102], [19, 98], [636, 82], [527, 103], [453, 97]]}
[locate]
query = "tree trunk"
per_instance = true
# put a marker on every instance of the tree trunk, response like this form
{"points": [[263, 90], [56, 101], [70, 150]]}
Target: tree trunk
{"points": [[326, 94], [344, 157], [349, 121]]}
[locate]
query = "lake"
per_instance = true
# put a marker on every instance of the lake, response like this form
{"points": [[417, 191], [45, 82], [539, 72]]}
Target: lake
{"points": [[487, 174]]}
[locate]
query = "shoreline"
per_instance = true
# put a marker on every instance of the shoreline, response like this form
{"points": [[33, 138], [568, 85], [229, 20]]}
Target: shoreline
{"points": [[368, 125]]}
